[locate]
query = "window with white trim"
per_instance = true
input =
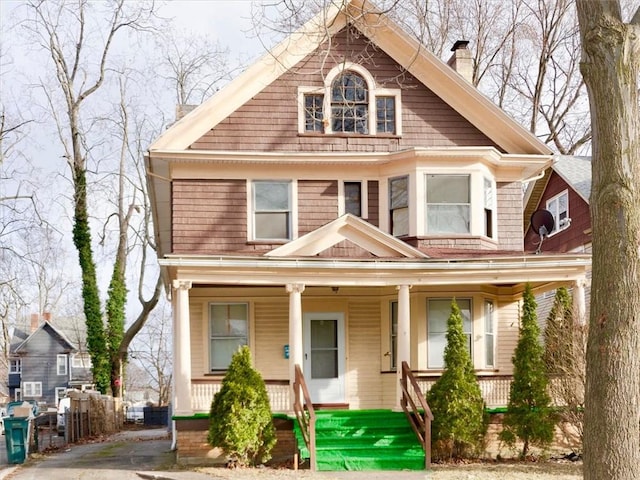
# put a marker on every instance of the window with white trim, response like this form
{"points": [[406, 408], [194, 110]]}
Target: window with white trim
{"points": [[448, 204], [61, 363], [271, 210], [559, 208], [31, 389], [15, 365], [399, 206], [349, 103], [438, 312], [353, 198], [489, 335], [228, 331], [81, 360], [489, 207]]}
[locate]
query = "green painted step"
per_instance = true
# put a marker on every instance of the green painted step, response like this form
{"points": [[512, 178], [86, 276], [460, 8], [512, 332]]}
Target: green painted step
{"points": [[363, 440]]}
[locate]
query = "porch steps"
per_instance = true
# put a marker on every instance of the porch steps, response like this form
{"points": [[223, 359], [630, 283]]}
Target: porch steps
{"points": [[363, 440]]}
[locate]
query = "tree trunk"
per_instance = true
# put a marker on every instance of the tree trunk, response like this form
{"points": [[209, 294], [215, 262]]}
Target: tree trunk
{"points": [[610, 66]]}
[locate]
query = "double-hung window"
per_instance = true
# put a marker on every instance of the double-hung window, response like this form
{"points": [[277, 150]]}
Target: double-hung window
{"points": [[448, 204], [350, 104], [399, 206], [559, 208], [271, 210], [62, 364], [438, 312], [15, 365], [31, 389], [489, 335], [228, 331]]}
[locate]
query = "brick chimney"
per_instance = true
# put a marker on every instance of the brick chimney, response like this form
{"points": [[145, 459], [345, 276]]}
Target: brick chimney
{"points": [[461, 60], [46, 316], [35, 322]]}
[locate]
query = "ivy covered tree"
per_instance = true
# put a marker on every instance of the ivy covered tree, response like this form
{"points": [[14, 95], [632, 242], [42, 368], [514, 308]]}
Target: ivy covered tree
{"points": [[240, 420], [459, 426], [529, 415]]}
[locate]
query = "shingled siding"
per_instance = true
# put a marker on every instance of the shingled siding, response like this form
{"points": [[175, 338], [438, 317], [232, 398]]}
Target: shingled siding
{"points": [[269, 121], [509, 200], [373, 198], [210, 217], [317, 204]]}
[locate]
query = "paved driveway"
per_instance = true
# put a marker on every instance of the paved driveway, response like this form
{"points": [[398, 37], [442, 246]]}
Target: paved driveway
{"points": [[125, 456]]}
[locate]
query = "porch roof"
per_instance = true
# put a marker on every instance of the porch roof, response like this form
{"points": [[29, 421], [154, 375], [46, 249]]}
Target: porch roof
{"points": [[542, 271]]}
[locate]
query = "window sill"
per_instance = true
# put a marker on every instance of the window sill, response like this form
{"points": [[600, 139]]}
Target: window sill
{"points": [[349, 135], [267, 242]]}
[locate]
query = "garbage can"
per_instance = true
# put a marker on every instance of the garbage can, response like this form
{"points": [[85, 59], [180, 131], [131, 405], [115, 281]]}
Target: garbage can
{"points": [[16, 435]]}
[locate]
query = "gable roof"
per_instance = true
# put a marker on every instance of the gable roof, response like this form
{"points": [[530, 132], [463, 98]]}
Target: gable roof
{"points": [[352, 228], [576, 171], [386, 35], [18, 347]]}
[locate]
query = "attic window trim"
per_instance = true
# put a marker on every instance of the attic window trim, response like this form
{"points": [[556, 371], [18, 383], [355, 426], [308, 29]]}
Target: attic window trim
{"points": [[374, 92]]}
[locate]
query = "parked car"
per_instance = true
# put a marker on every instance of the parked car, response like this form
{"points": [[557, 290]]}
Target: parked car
{"points": [[134, 414], [63, 407]]}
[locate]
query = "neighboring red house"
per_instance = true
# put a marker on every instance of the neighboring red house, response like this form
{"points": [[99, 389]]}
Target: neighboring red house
{"points": [[326, 207], [564, 190]]}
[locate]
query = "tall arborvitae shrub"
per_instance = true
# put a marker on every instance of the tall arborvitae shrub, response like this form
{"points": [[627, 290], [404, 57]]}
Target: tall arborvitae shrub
{"points": [[240, 418], [459, 425], [565, 348], [529, 415]]}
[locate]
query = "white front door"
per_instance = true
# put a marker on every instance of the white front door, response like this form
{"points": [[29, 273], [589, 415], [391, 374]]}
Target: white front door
{"points": [[324, 357]]}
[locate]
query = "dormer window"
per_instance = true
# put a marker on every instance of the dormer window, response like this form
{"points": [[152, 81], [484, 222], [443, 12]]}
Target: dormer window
{"points": [[559, 208], [349, 103]]}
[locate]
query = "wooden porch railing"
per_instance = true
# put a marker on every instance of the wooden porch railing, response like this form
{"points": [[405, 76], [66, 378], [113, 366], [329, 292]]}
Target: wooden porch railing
{"points": [[306, 415], [418, 413]]}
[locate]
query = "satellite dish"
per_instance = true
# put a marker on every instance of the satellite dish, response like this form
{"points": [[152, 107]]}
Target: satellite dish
{"points": [[542, 223]]}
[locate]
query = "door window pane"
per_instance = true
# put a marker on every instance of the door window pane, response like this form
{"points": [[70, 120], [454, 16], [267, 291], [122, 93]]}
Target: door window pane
{"points": [[324, 349]]}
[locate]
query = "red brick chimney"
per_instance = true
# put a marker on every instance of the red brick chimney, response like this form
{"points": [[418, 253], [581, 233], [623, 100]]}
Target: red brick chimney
{"points": [[46, 316], [35, 322]]}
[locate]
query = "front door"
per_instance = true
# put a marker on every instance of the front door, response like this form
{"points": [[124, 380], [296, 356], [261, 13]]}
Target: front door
{"points": [[324, 357]]}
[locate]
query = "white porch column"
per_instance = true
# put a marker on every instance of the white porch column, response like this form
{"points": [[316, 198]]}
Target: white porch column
{"points": [[295, 334], [579, 304], [403, 337], [181, 349]]}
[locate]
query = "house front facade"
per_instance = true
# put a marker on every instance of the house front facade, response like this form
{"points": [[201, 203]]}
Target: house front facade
{"points": [[44, 364], [327, 206]]}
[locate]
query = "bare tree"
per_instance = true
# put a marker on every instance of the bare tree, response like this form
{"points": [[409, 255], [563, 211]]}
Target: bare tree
{"points": [[72, 34], [611, 68]]}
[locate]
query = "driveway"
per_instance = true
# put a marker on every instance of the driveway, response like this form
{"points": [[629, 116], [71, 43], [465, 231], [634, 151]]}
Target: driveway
{"points": [[127, 455]]}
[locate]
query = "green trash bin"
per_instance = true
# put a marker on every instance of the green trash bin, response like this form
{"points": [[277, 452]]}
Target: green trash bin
{"points": [[16, 435]]}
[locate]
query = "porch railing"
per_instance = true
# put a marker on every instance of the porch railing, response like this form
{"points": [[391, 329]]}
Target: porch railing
{"points": [[306, 415], [202, 393], [494, 388], [417, 411]]}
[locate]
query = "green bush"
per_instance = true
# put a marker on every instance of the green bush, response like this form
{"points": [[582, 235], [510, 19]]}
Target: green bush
{"points": [[459, 425], [240, 421], [529, 415]]}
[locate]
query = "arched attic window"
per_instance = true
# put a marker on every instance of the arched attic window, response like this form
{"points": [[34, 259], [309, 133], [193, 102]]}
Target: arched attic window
{"points": [[350, 103]]}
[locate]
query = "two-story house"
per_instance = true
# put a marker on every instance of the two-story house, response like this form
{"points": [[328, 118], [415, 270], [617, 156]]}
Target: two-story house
{"points": [[44, 364], [327, 206]]}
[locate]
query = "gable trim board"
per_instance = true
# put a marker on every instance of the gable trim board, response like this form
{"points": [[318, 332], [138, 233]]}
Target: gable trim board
{"points": [[435, 74]]}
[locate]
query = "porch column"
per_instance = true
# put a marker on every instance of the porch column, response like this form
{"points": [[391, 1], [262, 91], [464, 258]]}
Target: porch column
{"points": [[403, 337], [579, 304], [181, 349], [295, 335]]}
